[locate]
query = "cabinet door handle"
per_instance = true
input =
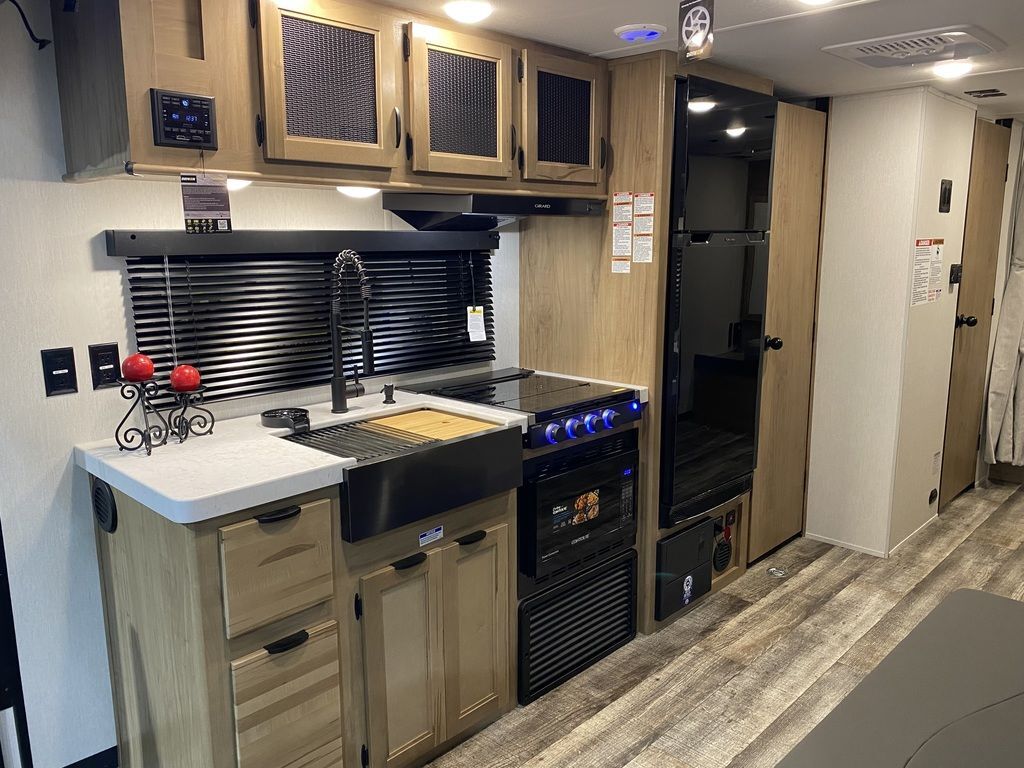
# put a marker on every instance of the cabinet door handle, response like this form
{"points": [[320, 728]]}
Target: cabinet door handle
{"points": [[515, 140], [279, 516], [772, 342], [471, 538], [604, 151], [286, 644], [409, 562], [398, 127]]}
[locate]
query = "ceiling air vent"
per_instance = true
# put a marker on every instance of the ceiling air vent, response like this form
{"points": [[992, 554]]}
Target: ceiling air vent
{"points": [[931, 45], [984, 93]]}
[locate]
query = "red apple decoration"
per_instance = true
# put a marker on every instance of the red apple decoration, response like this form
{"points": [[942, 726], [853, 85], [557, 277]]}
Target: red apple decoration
{"points": [[185, 378], [137, 367]]}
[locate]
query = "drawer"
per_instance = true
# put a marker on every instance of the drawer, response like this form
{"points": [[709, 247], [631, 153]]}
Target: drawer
{"points": [[275, 565], [287, 699]]}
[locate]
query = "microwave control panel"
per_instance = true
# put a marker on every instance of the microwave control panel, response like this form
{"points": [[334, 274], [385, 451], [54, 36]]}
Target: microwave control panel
{"points": [[183, 120]]}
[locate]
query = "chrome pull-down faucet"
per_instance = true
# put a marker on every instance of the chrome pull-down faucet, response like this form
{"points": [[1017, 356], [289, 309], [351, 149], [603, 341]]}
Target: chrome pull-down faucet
{"points": [[349, 261]]}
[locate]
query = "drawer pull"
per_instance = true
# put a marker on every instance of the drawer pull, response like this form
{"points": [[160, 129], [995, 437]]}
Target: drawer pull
{"points": [[279, 516], [409, 562], [288, 643], [471, 538]]}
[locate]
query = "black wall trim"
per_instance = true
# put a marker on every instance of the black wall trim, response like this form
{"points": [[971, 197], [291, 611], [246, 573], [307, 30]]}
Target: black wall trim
{"points": [[105, 759], [171, 242]]}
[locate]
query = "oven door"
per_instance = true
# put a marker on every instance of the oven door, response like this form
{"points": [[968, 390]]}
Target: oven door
{"points": [[571, 517]]}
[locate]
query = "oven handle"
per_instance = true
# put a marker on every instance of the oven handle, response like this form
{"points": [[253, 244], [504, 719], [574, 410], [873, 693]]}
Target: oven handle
{"points": [[471, 538]]}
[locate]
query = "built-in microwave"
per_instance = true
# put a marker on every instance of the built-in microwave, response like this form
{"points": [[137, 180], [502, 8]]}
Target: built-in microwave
{"points": [[576, 506]]}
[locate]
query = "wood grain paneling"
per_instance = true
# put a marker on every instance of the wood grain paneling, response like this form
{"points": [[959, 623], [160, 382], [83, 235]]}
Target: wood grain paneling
{"points": [[276, 569], [977, 297], [777, 511], [728, 75], [435, 424], [288, 706]]}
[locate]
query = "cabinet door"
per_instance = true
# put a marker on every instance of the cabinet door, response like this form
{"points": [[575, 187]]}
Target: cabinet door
{"points": [[565, 117], [461, 102], [474, 588], [330, 83], [777, 499], [402, 657], [287, 700]]}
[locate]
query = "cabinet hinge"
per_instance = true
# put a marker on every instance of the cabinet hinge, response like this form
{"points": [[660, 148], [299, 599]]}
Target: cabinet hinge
{"points": [[408, 146], [364, 756], [260, 132], [358, 607], [520, 71], [252, 13], [406, 46]]}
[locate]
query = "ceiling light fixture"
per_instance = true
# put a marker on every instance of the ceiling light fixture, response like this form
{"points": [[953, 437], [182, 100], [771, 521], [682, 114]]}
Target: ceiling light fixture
{"points": [[700, 107], [236, 184], [951, 70], [736, 132], [640, 33], [359, 193], [468, 11]]}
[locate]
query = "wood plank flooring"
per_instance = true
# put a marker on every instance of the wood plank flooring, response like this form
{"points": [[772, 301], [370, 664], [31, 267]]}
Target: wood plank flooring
{"points": [[739, 680]]}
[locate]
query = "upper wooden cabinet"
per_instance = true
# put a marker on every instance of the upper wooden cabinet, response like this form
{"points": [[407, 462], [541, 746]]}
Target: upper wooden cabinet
{"points": [[330, 76], [460, 95], [565, 118]]}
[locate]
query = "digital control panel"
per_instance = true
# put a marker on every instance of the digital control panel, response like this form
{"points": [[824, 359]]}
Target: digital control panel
{"points": [[183, 120], [582, 425]]}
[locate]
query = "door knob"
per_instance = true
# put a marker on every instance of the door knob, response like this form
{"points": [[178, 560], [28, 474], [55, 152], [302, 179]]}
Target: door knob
{"points": [[969, 320], [772, 342]]}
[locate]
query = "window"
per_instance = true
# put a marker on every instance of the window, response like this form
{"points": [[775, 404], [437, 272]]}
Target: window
{"points": [[256, 323]]}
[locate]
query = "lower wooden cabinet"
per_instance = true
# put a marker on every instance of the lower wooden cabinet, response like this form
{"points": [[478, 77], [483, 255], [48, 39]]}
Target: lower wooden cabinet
{"points": [[435, 645], [287, 701]]}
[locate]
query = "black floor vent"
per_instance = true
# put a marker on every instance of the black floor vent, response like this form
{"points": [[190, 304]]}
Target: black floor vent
{"points": [[569, 628]]}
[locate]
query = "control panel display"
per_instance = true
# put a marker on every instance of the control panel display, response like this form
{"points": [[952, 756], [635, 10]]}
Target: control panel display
{"points": [[183, 120]]}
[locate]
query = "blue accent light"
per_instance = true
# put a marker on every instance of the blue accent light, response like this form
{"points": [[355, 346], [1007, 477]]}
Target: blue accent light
{"points": [[640, 35], [635, 405], [185, 103], [627, 472]]}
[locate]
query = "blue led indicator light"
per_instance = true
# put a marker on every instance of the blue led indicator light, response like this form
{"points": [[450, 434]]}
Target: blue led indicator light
{"points": [[635, 406], [627, 472]]}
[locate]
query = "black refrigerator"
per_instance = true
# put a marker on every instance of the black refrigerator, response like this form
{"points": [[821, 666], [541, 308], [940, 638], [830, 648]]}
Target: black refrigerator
{"points": [[718, 272], [14, 750]]}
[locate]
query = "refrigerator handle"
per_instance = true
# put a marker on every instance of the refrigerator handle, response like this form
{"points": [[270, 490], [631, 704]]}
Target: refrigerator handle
{"points": [[719, 239]]}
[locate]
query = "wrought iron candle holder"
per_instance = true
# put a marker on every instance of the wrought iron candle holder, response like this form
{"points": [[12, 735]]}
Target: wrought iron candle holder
{"points": [[183, 423], [154, 430]]}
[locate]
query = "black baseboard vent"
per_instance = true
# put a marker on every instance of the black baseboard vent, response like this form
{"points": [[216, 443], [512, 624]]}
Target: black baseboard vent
{"points": [[105, 759], [570, 627]]}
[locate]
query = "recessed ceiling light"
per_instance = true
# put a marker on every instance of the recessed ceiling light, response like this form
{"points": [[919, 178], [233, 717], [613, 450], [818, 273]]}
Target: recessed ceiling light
{"points": [[700, 107], [358, 192], [951, 70], [736, 132], [236, 184], [640, 33], [468, 11]]}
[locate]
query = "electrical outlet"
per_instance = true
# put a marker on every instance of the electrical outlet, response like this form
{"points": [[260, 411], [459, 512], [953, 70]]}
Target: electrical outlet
{"points": [[104, 361], [59, 373]]}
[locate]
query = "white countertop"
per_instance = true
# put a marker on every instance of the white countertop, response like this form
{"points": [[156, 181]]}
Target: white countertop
{"points": [[243, 464]]}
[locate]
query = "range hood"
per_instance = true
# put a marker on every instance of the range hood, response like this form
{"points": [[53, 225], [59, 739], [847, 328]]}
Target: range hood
{"points": [[475, 212]]}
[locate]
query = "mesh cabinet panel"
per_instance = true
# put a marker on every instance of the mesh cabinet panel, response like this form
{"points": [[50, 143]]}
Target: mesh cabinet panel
{"points": [[463, 93], [563, 119], [330, 81]]}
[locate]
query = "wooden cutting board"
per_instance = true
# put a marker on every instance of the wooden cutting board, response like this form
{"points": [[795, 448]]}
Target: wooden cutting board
{"points": [[434, 424]]}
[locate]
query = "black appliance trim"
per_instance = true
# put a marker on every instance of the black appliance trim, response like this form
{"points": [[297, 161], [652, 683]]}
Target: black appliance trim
{"points": [[698, 505], [124, 243], [380, 496], [106, 759], [433, 211], [580, 604], [687, 553]]}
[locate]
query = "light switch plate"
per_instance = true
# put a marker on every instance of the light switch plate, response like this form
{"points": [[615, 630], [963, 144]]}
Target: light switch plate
{"points": [[104, 362], [59, 374]]}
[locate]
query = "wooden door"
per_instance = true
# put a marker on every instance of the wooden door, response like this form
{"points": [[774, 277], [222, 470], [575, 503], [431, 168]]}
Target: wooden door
{"points": [[403, 660], [475, 595], [287, 701], [974, 303], [330, 77], [565, 118], [461, 103], [777, 499]]}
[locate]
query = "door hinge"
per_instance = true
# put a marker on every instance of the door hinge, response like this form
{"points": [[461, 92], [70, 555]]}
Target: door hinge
{"points": [[358, 607], [260, 132], [520, 71], [364, 756], [406, 46], [252, 13]]}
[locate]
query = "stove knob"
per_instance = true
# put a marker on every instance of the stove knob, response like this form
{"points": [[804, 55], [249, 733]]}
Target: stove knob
{"points": [[554, 433], [575, 428], [594, 423], [611, 418]]}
